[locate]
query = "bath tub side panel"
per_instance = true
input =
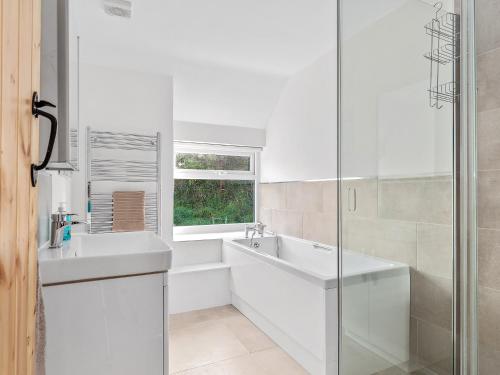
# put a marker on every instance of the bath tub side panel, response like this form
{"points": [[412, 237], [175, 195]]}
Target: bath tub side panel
{"points": [[292, 304]]}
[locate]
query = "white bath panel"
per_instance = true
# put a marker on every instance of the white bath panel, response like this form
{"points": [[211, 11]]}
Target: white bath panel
{"points": [[199, 286], [288, 288]]}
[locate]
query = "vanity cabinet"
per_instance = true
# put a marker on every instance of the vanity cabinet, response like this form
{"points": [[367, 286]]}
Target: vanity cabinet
{"points": [[113, 326]]}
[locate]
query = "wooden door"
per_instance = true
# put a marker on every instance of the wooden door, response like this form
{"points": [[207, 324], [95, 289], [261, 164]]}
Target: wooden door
{"points": [[19, 77]]}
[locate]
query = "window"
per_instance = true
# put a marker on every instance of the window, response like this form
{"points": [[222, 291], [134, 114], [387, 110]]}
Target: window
{"points": [[214, 185]]}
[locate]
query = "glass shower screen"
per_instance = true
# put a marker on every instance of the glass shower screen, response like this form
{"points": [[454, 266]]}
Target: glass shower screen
{"points": [[397, 113]]}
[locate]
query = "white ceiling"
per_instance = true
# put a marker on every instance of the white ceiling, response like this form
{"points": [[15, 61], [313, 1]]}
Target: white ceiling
{"points": [[273, 36], [230, 59]]}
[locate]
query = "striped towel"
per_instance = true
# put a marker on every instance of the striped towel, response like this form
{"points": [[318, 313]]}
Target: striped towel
{"points": [[128, 211]]}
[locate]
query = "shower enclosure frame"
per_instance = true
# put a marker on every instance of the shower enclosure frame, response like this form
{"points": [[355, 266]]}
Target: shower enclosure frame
{"points": [[464, 321], [465, 228]]}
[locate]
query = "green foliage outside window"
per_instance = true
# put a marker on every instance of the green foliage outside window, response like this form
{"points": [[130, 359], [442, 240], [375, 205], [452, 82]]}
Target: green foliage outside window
{"points": [[206, 202], [212, 162]]}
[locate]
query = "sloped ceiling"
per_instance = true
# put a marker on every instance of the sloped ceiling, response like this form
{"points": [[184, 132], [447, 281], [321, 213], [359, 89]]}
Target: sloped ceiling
{"points": [[230, 58]]}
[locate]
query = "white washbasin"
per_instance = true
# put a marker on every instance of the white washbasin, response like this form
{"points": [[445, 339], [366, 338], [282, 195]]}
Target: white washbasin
{"points": [[97, 256]]}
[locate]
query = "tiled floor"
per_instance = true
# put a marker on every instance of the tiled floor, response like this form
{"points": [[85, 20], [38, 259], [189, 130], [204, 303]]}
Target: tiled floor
{"points": [[221, 341]]}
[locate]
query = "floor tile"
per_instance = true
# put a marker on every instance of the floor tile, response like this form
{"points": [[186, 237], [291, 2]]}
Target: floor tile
{"points": [[249, 335], [358, 360], [276, 361], [188, 319], [203, 344], [222, 341], [244, 365]]}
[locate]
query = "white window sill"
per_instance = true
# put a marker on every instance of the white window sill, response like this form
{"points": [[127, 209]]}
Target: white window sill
{"points": [[207, 236]]}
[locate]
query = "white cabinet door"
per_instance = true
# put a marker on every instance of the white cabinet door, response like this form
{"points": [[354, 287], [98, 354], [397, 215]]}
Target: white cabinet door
{"points": [[105, 327]]}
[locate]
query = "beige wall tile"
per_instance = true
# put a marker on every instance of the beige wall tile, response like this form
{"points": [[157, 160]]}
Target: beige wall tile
{"points": [[435, 249], [488, 138], [435, 348], [392, 240], [287, 222], [359, 234], [397, 241], [487, 27], [366, 191], [489, 322], [329, 196], [489, 361], [320, 227], [432, 299], [272, 195], [489, 199], [266, 217], [489, 258], [304, 196], [488, 80], [427, 200], [488, 41]]}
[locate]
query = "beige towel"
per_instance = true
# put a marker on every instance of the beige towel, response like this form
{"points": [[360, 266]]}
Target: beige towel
{"points": [[128, 211], [40, 333]]}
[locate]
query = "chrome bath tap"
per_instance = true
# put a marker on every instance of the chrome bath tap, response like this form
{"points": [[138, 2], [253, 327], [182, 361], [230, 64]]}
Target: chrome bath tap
{"points": [[258, 227]]}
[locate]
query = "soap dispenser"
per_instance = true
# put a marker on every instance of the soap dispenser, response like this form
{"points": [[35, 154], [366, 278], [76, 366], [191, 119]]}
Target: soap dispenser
{"points": [[67, 229]]}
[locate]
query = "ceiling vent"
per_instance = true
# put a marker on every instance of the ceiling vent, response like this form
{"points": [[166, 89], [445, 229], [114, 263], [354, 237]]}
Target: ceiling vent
{"points": [[119, 8]]}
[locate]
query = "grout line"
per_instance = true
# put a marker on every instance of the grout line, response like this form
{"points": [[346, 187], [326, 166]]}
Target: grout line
{"points": [[492, 50], [489, 288], [266, 349], [486, 112], [492, 170], [489, 228], [209, 364]]}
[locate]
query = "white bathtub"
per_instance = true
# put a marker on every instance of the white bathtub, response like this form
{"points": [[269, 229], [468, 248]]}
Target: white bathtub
{"points": [[288, 288]]}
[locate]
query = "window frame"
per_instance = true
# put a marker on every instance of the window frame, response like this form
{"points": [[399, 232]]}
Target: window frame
{"points": [[198, 174]]}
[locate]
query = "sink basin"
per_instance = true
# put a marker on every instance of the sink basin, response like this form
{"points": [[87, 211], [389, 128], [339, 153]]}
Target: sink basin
{"points": [[97, 256]]}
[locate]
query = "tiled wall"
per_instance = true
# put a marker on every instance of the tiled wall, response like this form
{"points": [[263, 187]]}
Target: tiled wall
{"points": [[488, 75], [301, 209], [406, 220]]}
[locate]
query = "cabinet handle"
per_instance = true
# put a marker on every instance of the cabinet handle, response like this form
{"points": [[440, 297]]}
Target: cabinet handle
{"points": [[36, 111]]}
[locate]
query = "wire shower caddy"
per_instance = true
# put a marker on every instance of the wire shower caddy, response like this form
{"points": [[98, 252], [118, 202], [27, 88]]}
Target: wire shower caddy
{"points": [[443, 31]]}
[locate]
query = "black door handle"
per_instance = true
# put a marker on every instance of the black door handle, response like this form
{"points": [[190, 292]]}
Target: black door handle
{"points": [[36, 111]]}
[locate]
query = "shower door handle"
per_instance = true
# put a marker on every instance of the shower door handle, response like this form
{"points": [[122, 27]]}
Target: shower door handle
{"points": [[352, 203], [36, 111]]}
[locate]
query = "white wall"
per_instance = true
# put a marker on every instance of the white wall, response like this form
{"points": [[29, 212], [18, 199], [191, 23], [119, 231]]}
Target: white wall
{"points": [[125, 100], [413, 139], [389, 130], [301, 133], [204, 92]]}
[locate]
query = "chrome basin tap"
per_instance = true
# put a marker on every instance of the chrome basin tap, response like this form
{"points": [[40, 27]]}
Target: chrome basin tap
{"points": [[58, 223]]}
